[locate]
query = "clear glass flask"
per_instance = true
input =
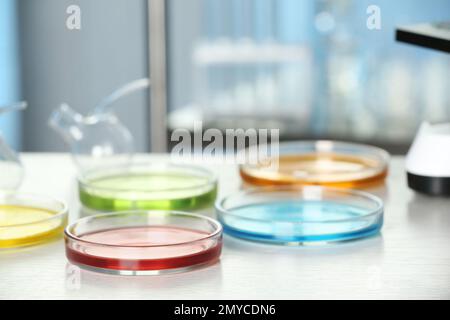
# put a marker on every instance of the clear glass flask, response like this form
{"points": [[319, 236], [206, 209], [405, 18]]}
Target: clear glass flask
{"points": [[11, 169], [98, 139]]}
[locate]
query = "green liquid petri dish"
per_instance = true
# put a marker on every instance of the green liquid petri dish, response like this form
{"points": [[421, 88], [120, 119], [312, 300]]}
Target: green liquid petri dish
{"points": [[148, 187]]}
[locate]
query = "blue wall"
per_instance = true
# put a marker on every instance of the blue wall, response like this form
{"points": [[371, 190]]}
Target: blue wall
{"points": [[9, 72]]}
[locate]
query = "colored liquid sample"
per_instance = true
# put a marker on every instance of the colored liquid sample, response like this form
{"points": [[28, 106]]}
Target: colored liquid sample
{"points": [[148, 191], [21, 225], [144, 248], [300, 221], [326, 169]]}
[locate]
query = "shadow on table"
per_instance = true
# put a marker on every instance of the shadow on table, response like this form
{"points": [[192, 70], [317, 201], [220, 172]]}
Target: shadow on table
{"points": [[374, 244], [32, 251], [84, 212], [428, 211], [79, 280], [379, 190]]}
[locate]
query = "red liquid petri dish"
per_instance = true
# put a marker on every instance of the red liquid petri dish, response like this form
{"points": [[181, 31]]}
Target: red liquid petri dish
{"points": [[143, 242]]}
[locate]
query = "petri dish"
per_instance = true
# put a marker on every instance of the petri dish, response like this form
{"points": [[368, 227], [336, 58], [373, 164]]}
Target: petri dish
{"points": [[143, 242], [147, 186], [27, 220], [300, 215], [327, 163]]}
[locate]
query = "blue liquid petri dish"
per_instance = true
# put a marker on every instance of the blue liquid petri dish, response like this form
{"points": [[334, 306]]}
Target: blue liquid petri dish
{"points": [[300, 215]]}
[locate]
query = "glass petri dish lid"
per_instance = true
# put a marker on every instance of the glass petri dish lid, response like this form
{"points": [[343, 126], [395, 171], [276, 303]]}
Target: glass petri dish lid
{"points": [[147, 186], [143, 242], [27, 220], [300, 215], [328, 163]]}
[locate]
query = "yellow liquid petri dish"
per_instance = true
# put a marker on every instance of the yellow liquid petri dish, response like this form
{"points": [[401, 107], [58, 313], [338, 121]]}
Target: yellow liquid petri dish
{"points": [[27, 220], [326, 163]]}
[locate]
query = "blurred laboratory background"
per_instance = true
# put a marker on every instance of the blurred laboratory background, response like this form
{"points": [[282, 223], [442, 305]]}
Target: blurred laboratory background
{"points": [[311, 68]]}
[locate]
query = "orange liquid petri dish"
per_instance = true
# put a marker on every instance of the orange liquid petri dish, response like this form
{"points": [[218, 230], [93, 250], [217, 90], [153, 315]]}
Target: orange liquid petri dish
{"points": [[326, 163]]}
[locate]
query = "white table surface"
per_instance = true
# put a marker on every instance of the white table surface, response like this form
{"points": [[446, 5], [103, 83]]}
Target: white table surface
{"points": [[410, 259]]}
